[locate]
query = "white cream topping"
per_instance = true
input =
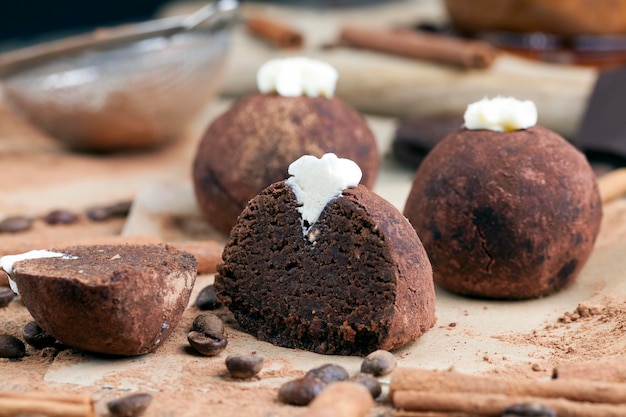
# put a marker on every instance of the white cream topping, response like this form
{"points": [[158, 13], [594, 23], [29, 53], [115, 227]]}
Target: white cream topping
{"points": [[501, 114], [317, 181], [6, 262], [295, 77]]}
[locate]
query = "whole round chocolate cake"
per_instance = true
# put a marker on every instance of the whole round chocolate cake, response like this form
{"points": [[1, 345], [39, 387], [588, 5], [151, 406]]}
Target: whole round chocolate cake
{"points": [[336, 272], [113, 299], [506, 209], [251, 145]]}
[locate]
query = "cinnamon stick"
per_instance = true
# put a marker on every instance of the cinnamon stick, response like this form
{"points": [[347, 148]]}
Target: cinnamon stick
{"points": [[431, 47], [416, 380], [607, 371], [341, 399], [51, 405], [612, 185], [279, 34], [493, 405]]}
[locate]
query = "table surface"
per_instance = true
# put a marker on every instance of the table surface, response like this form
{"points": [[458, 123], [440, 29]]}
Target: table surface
{"points": [[523, 339]]}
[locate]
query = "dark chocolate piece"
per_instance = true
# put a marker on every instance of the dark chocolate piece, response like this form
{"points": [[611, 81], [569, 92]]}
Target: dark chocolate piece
{"points": [[415, 137], [602, 133]]}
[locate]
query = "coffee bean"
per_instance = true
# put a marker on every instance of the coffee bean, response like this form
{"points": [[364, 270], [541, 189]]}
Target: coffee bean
{"points": [[207, 299], [529, 410], [207, 335], [4, 278], [369, 382], [15, 224], [245, 366], [300, 391], [379, 363], [120, 209], [60, 217], [6, 296], [36, 336], [328, 373], [208, 323], [100, 213], [11, 347], [129, 406]]}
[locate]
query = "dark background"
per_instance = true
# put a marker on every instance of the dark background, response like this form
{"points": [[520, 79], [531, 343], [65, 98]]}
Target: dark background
{"points": [[25, 21]]}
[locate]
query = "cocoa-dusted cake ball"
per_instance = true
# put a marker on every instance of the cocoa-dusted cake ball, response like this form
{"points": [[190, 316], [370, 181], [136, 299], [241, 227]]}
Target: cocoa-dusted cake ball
{"points": [[114, 299], [320, 263], [506, 209], [252, 144]]}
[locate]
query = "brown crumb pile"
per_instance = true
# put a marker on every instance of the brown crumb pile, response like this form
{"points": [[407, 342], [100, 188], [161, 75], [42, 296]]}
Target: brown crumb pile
{"points": [[591, 331]]}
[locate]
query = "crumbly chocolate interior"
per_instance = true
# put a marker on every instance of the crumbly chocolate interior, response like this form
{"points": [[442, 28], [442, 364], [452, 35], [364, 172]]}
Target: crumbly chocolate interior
{"points": [[103, 264], [335, 295]]}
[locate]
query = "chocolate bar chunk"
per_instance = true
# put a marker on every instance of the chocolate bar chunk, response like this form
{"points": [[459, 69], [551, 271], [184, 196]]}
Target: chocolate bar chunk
{"points": [[602, 133], [415, 137]]}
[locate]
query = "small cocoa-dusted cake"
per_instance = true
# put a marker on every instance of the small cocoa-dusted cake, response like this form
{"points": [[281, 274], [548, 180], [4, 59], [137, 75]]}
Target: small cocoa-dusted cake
{"points": [[113, 299], [320, 263], [251, 145], [506, 209]]}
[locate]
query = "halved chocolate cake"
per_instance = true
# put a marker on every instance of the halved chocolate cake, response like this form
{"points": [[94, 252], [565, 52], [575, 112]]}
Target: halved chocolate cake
{"points": [[114, 299], [351, 281]]}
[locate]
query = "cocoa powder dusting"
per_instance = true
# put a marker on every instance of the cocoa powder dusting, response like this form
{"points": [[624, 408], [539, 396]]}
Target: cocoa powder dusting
{"points": [[592, 331]]}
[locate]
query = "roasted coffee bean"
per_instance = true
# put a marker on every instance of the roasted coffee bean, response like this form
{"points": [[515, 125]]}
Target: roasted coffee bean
{"points": [[207, 299], [15, 224], [129, 406], [208, 323], [98, 214], [328, 373], [245, 366], [120, 209], [4, 278], [300, 391], [369, 382], [60, 217], [6, 296], [101, 213], [37, 337], [11, 347], [529, 410], [207, 335], [378, 363]]}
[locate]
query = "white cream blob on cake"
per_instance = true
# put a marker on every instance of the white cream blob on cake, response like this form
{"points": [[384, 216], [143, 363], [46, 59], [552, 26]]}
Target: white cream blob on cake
{"points": [[317, 181], [298, 76], [501, 114], [7, 262]]}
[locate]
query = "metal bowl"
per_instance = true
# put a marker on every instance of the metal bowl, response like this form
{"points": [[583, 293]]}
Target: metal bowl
{"points": [[129, 87]]}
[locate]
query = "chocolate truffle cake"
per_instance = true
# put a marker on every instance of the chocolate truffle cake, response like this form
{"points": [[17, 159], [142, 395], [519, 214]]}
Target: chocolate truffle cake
{"points": [[251, 145], [509, 214], [113, 299], [349, 279]]}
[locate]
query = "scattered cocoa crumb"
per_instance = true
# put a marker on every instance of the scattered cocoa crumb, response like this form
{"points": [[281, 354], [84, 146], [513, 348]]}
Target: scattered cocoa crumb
{"points": [[591, 331], [537, 368]]}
